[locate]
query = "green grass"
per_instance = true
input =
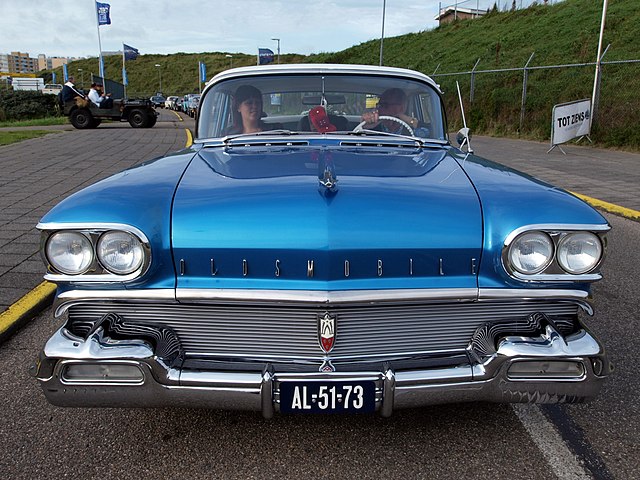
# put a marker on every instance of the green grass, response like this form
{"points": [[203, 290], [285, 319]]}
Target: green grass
{"points": [[39, 122], [8, 137]]}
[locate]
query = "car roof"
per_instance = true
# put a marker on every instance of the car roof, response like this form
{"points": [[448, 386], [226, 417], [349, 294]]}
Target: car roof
{"points": [[320, 68]]}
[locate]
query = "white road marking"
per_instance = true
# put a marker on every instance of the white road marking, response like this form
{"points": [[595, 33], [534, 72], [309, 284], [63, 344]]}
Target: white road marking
{"points": [[563, 462]]}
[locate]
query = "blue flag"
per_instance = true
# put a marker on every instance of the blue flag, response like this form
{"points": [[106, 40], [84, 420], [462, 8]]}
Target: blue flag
{"points": [[203, 72], [53, 77], [65, 73], [103, 13], [130, 53], [265, 56], [125, 80]]}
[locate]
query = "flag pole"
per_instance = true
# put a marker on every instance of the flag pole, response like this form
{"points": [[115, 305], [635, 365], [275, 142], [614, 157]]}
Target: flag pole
{"points": [[124, 80], [101, 64]]}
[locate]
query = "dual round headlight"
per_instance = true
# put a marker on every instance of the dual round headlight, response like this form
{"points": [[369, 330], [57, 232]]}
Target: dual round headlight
{"points": [[576, 253], [579, 252], [74, 253], [70, 253]]}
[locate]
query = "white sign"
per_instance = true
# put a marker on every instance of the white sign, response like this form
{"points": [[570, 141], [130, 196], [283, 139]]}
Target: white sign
{"points": [[570, 120]]}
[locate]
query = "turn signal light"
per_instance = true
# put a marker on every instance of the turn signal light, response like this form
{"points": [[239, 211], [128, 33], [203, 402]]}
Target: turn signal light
{"points": [[102, 373], [528, 370]]}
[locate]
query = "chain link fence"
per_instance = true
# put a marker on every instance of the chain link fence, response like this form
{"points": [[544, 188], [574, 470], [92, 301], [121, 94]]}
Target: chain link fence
{"points": [[519, 101]]}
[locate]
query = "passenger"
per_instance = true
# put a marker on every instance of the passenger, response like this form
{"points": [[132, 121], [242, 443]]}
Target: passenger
{"points": [[247, 111], [69, 91], [99, 98], [392, 103]]}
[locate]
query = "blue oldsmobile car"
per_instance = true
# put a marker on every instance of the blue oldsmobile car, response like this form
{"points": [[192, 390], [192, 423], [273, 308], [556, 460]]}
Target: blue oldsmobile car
{"points": [[312, 252]]}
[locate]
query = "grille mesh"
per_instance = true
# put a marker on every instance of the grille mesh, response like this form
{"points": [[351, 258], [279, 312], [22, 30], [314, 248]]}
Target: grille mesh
{"points": [[290, 332]]}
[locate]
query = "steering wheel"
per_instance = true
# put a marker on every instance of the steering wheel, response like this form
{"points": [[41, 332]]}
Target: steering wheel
{"points": [[386, 117]]}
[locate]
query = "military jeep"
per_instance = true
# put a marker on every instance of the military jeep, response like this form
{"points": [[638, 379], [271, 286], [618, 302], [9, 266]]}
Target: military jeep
{"points": [[84, 114]]}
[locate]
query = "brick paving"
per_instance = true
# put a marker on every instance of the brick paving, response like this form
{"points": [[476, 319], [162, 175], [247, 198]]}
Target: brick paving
{"points": [[36, 174]]}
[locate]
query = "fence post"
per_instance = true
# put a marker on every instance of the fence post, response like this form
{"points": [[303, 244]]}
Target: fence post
{"points": [[473, 78], [595, 102], [525, 76], [596, 82]]}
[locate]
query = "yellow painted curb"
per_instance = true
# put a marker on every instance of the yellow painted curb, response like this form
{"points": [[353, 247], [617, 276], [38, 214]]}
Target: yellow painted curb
{"points": [[176, 114], [189, 138], [610, 207], [25, 306]]}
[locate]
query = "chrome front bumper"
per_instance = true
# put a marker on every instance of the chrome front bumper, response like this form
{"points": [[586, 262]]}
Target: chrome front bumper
{"points": [[483, 378]]}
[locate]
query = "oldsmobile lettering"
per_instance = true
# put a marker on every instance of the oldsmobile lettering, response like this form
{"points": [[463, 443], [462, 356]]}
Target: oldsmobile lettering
{"points": [[277, 272]]}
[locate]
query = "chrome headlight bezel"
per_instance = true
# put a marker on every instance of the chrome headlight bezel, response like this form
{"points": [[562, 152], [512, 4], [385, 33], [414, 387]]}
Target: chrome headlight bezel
{"points": [[96, 271], [554, 272]]}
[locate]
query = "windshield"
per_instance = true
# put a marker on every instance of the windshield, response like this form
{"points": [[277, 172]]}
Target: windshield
{"points": [[322, 103]]}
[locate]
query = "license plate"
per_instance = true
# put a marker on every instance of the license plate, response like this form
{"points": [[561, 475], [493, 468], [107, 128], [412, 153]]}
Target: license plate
{"points": [[327, 397]]}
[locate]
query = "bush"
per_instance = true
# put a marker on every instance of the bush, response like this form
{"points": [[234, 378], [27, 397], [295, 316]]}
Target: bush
{"points": [[26, 105]]}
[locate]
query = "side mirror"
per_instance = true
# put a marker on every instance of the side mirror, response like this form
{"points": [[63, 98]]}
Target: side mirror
{"points": [[463, 138]]}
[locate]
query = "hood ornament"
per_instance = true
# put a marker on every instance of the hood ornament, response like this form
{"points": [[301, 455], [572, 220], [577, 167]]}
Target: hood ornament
{"points": [[327, 172], [328, 178]]}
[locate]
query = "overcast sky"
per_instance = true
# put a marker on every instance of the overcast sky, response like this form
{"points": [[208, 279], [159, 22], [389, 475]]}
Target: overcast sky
{"points": [[68, 27]]}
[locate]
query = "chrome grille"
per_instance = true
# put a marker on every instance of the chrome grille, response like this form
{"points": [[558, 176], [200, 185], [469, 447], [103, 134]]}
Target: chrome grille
{"points": [[290, 332]]}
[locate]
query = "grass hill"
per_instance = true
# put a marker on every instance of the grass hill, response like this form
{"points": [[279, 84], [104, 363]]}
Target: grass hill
{"points": [[564, 33]]}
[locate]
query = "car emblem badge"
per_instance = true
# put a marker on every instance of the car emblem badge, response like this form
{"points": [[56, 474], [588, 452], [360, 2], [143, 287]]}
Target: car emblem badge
{"points": [[327, 367], [326, 331]]}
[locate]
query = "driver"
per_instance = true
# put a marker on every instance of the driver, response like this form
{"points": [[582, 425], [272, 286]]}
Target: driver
{"points": [[392, 103]]}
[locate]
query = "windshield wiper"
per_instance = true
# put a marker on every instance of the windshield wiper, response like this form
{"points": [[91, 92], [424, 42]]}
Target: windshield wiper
{"points": [[280, 131], [365, 132]]}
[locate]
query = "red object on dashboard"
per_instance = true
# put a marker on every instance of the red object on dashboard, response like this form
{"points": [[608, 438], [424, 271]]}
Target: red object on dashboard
{"points": [[320, 120]]}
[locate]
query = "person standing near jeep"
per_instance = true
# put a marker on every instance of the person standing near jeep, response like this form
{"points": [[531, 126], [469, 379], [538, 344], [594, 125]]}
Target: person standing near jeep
{"points": [[98, 97]]}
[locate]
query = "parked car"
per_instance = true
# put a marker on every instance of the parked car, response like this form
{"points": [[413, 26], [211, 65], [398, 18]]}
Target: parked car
{"points": [[52, 89], [84, 114], [186, 102], [193, 106], [321, 263], [170, 102], [157, 101]]}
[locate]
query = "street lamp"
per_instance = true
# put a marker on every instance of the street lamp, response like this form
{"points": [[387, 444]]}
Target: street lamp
{"points": [[230, 57], [277, 40], [82, 76], [159, 77]]}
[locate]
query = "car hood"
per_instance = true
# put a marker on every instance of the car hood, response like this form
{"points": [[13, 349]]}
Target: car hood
{"points": [[258, 218]]}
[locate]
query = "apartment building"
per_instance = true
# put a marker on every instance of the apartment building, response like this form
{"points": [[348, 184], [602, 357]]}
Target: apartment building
{"points": [[49, 63], [18, 62]]}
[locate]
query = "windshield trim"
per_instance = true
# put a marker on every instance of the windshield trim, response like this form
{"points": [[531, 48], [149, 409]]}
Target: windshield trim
{"points": [[248, 138], [320, 68]]}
